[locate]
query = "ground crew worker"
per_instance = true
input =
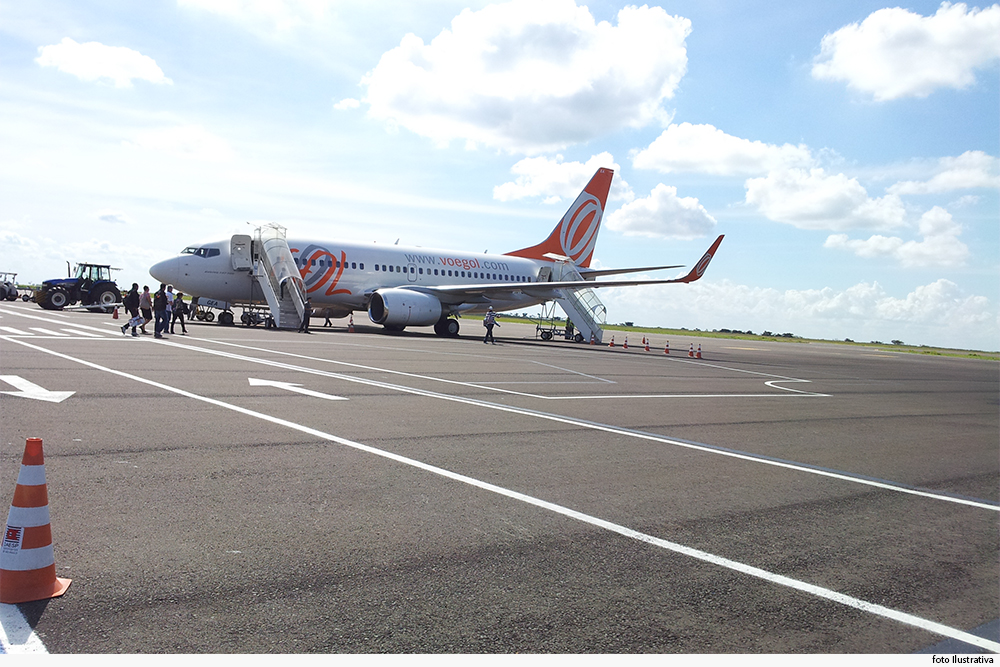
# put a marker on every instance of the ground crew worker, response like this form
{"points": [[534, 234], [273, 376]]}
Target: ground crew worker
{"points": [[489, 322]]}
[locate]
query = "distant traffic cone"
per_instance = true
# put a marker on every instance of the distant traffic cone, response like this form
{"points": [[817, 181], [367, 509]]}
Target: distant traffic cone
{"points": [[698, 353], [691, 351], [612, 343], [27, 563], [593, 341], [350, 324], [114, 315], [666, 348], [646, 342], [626, 343]]}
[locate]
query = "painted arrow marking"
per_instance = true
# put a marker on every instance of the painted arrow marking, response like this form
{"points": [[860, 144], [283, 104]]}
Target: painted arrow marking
{"points": [[32, 390], [297, 388]]}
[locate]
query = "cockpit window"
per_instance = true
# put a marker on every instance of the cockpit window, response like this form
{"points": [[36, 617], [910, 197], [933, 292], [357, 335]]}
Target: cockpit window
{"points": [[201, 252]]}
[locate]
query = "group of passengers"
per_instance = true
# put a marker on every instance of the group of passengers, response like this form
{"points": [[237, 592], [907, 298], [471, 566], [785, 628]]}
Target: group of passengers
{"points": [[163, 306]]}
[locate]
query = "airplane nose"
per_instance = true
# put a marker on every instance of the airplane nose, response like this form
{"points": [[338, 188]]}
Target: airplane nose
{"points": [[166, 271]]}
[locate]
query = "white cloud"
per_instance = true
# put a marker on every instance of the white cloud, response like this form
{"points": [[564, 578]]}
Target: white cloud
{"points": [[113, 216], [940, 245], [92, 61], [708, 150], [972, 169], [663, 215], [896, 53], [557, 180], [936, 314], [185, 141], [816, 200], [531, 76]]}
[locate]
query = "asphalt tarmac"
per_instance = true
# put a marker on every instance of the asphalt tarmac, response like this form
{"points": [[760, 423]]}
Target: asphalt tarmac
{"points": [[247, 490]]}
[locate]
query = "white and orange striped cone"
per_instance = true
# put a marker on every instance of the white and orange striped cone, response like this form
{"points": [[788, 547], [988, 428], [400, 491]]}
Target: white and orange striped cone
{"points": [[612, 343], [646, 343], [691, 351], [350, 324], [626, 343], [593, 341], [666, 348], [27, 562], [697, 355]]}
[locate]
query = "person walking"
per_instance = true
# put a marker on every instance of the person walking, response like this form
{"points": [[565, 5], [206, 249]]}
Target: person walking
{"points": [[306, 314], [160, 311], [170, 306], [146, 308], [131, 303], [489, 322], [177, 313]]}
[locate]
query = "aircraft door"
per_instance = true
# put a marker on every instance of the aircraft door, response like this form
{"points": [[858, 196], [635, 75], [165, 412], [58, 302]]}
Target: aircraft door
{"points": [[544, 274], [411, 272], [239, 252]]}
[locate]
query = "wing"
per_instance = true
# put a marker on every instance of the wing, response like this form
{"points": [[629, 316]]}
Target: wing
{"points": [[456, 294]]}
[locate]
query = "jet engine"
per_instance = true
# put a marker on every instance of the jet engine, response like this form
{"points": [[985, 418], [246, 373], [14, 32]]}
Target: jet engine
{"points": [[397, 308]]}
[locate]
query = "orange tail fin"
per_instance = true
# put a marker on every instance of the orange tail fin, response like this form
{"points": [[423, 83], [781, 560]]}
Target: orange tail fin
{"points": [[576, 234]]}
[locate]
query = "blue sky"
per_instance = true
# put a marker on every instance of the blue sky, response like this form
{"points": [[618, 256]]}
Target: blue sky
{"points": [[848, 151]]}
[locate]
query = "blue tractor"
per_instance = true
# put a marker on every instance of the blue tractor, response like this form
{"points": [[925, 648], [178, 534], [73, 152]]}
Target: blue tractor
{"points": [[91, 287]]}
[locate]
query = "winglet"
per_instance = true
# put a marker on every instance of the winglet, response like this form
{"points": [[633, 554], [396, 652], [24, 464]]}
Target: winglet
{"points": [[699, 269]]}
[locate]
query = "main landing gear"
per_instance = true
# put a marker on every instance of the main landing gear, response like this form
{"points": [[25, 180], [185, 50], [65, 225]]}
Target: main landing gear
{"points": [[446, 327]]}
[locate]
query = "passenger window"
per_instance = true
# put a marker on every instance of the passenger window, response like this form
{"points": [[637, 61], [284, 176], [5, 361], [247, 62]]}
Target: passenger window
{"points": [[361, 266]]}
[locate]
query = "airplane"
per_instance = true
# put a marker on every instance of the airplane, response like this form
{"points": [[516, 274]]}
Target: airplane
{"points": [[411, 286]]}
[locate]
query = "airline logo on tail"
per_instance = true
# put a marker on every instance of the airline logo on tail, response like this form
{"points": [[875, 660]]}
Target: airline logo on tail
{"points": [[576, 234]]}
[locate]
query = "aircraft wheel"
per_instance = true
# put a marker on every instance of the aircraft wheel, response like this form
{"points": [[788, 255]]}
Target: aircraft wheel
{"points": [[451, 327], [226, 319]]}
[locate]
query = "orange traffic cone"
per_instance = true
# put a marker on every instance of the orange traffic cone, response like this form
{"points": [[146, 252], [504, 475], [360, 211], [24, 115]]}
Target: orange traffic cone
{"points": [[592, 340], [646, 342], [350, 324], [626, 343], [27, 563], [691, 351], [114, 315], [698, 353], [612, 343], [666, 348]]}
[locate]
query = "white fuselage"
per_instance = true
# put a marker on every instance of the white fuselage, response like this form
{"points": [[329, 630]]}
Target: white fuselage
{"points": [[342, 276]]}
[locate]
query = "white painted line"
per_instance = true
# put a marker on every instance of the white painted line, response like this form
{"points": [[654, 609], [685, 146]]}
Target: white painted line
{"points": [[297, 388], [567, 370], [16, 332], [788, 465], [778, 579], [542, 397], [16, 636], [835, 474], [47, 332], [77, 332], [492, 387]]}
